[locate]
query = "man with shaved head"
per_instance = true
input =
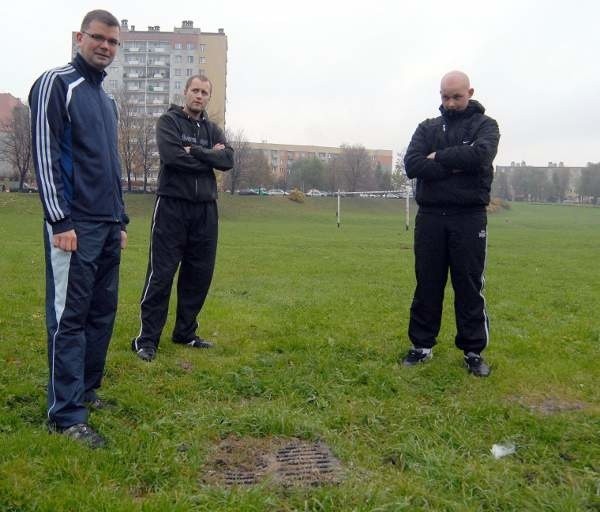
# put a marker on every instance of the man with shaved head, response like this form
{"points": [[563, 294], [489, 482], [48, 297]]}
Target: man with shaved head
{"points": [[451, 158]]}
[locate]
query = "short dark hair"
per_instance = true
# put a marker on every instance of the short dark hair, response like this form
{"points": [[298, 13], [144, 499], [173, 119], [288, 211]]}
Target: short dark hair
{"points": [[202, 78], [101, 16]]}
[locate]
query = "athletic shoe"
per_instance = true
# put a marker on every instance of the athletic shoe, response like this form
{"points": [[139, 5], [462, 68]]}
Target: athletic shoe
{"points": [[144, 353], [83, 433], [196, 342], [476, 365], [416, 356]]}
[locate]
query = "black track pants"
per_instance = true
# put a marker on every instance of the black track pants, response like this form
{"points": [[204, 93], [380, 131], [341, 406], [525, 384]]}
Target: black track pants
{"points": [[456, 242], [184, 235]]}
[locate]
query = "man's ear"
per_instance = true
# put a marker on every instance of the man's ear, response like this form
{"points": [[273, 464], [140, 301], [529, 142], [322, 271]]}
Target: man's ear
{"points": [[471, 91]]}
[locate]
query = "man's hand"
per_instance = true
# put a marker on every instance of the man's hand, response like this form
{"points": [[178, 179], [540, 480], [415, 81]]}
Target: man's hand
{"points": [[123, 239], [431, 156], [66, 241], [187, 149], [219, 146]]}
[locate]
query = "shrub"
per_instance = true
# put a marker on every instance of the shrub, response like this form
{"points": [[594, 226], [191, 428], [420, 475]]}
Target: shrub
{"points": [[297, 196], [497, 204]]}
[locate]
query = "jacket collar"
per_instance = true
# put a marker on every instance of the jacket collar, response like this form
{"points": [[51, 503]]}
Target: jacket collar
{"points": [[177, 109], [89, 73], [474, 107]]}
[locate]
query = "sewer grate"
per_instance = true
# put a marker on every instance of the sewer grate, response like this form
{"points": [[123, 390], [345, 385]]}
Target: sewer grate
{"points": [[249, 461], [306, 463]]}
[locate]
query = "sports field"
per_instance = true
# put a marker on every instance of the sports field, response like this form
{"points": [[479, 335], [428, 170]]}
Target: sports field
{"points": [[309, 322]]}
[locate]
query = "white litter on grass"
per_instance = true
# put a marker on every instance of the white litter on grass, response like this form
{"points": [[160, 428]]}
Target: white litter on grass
{"points": [[502, 450]]}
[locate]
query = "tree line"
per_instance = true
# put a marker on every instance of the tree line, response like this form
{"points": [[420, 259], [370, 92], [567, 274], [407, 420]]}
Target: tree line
{"points": [[352, 170], [548, 185]]}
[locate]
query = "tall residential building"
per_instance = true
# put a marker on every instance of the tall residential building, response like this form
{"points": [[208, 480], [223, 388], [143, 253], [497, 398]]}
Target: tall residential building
{"points": [[152, 66], [281, 156]]}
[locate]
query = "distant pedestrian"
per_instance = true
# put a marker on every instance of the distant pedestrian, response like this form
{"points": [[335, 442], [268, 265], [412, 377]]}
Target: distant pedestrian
{"points": [[185, 220], [451, 157], [74, 129]]}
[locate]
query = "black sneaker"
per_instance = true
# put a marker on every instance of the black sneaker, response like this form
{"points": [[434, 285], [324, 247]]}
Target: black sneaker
{"points": [[196, 342], [83, 433], [416, 356], [476, 365], [144, 353]]}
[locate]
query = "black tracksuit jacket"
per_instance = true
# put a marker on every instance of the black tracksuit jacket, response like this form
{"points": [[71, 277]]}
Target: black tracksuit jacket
{"points": [[460, 176], [190, 176], [184, 224]]}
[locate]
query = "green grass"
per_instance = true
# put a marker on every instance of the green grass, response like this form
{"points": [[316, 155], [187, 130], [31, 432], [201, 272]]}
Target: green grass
{"points": [[310, 321]]}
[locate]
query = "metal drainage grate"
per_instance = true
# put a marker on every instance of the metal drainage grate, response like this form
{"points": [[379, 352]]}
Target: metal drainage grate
{"points": [[240, 476], [286, 462], [306, 463]]}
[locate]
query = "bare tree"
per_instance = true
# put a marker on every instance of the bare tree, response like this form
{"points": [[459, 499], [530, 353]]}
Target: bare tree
{"points": [[127, 133], [16, 144], [258, 172], [400, 180], [242, 157], [146, 149], [357, 166]]}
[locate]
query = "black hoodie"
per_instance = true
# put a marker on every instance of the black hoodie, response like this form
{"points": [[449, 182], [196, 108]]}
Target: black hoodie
{"points": [[190, 175], [460, 177]]}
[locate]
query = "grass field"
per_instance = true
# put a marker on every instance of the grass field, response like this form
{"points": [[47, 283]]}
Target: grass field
{"points": [[309, 322]]}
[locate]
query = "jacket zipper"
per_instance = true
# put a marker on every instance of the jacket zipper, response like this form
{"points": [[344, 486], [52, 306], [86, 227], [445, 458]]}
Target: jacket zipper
{"points": [[196, 177]]}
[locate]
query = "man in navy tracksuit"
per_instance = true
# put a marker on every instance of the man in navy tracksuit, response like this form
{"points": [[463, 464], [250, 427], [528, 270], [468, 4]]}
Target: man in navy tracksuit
{"points": [[185, 220], [74, 128], [451, 157]]}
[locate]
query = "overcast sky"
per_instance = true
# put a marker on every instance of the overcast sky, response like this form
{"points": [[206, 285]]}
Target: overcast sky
{"points": [[341, 71]]}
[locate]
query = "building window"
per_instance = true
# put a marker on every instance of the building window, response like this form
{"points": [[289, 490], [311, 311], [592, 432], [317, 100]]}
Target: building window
{"points": [[177, 85], [190, 46], [190, 59], [178, 46], [202, 60], [112, 84], [189, 72], [177, 71], [201, 48], [177, 59]]}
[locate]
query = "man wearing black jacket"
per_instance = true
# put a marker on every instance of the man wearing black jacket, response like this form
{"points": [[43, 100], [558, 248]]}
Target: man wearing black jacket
{"points": [[185, 220], [451, 157]]}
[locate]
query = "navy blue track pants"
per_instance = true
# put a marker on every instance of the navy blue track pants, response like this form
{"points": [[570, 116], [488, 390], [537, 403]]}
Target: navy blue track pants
{"points": [[81, 304]]}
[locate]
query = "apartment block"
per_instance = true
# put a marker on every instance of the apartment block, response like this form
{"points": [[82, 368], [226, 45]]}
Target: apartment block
{"points": [[282, 156], [152, 66]]}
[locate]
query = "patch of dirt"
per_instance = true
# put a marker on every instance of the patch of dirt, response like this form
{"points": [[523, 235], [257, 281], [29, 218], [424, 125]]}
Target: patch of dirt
{"points": [[549, 405], [286, 462], [186, 366]]}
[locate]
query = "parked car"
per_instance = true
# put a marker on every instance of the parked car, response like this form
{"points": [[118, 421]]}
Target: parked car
{"points": [[313, 192], [248, 192], [276, 192]]}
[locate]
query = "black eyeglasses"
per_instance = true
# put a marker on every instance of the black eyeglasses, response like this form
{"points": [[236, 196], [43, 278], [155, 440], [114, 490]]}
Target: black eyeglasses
{"points": [[101, 39]]}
